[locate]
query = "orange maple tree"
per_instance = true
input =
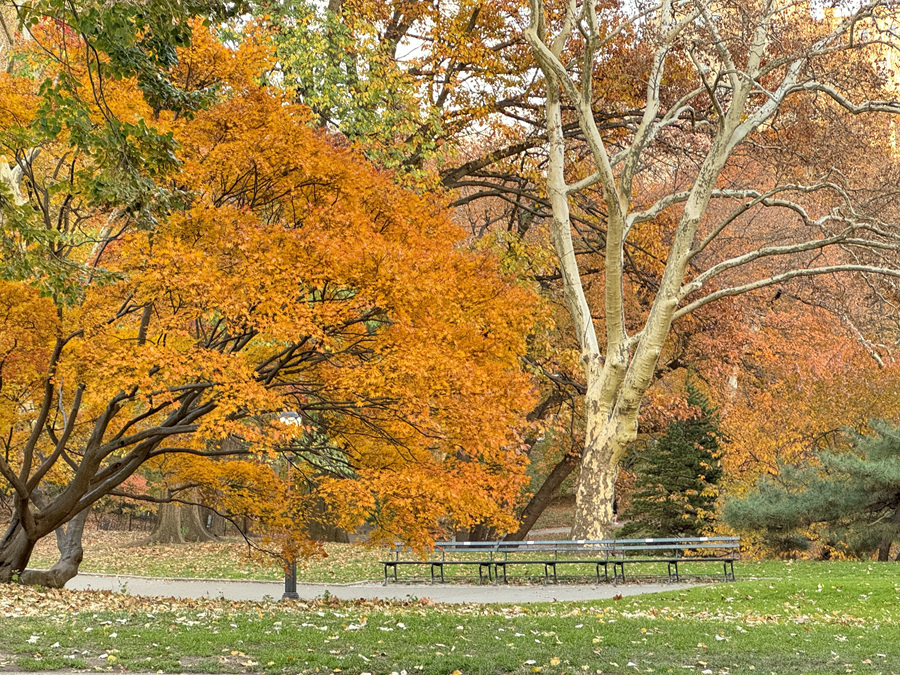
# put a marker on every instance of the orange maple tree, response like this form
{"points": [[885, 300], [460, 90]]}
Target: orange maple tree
{"points": [[295, 307]]}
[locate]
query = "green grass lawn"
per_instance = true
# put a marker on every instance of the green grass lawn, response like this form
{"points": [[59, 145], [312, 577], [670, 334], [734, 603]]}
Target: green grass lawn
{"points": [[805, 617], [119, 553]]}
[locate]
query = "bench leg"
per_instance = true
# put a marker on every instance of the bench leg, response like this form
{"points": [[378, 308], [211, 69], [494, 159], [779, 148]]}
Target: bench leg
{"points": [[605, 573], [670, 566], [386, 579], [547, 567], [618, 572], [386, 573], [726, 565], [481, 568], [497, 571]]}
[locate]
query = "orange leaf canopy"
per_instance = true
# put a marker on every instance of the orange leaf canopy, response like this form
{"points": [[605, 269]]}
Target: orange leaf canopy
{"points": [[290, 281], [298, 279]]}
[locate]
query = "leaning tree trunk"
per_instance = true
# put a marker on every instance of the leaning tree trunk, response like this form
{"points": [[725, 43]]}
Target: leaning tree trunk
{"points": [[9, 28], [543, 497], [71, 553], [15, 551]]}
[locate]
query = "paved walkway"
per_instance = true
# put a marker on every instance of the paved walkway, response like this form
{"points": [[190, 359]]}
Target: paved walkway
{"points": [[449, 593]]}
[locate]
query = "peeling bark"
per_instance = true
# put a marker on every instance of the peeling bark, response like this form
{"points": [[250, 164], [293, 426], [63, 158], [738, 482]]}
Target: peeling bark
{"points": [[595, 493], [9, 23], [618, 375]]}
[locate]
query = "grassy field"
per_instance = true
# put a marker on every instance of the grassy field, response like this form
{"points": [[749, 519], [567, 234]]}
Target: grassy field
{"points": [[120, 553], [804, 617], [117, 553]]}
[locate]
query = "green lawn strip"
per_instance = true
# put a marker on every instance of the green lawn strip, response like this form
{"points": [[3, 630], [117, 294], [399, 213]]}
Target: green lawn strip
{"points": [[814, 618], [108, 552], [112, 553]]}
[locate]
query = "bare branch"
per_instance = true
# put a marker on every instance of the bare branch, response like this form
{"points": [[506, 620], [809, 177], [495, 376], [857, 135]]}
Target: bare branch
{"points": [[781, 278]]}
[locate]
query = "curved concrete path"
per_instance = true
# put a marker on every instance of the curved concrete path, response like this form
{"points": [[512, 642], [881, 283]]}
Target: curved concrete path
{"points": [[449, 593]]}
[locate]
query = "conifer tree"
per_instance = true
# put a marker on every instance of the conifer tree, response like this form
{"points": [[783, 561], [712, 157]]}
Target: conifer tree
{"points": [[848, 500], [676, 479]]}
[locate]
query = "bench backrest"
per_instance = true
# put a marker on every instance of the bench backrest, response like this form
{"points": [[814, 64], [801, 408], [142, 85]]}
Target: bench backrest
{"points": [[592, 547]]}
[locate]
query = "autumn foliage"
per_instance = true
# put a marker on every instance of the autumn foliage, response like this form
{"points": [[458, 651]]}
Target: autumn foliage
{"points": [[287, 277]]}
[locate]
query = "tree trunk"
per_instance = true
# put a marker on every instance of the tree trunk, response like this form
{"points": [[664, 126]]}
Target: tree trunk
{"points": [[9, 24], [595, 493], [15, 551], [216, 522], [543, 497], [71, 553], [319, 528], [168, 526], [178, 524], [192, 525], [884, 550]]}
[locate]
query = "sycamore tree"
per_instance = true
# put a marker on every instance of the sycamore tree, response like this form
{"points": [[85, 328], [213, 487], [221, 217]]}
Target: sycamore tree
{"points": [[448, 94], [173, 307], [722, 82]]}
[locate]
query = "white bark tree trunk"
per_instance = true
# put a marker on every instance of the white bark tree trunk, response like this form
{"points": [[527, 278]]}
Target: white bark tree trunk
{"points": [[619, 376]]}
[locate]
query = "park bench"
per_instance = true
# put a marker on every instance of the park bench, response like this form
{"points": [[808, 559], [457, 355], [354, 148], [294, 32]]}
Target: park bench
{"points": [[674, 551], [550, 554], [494, 557], [484, 559]]}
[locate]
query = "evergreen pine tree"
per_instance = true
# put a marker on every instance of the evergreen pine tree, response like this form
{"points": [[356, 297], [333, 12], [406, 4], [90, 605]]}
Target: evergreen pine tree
{"points": [[676, 477], [849, 500]]}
